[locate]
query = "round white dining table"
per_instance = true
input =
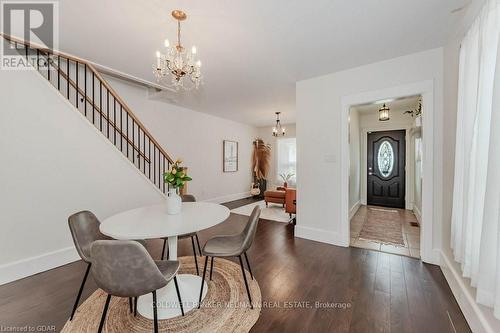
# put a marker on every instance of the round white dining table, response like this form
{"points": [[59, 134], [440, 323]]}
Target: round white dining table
{"points": [[152, 222]]}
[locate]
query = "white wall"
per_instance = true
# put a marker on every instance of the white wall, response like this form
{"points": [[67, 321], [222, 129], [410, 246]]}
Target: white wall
{"points": [[354, 162], [266, 134], [319, 108], [54, 163], [196, 138]]}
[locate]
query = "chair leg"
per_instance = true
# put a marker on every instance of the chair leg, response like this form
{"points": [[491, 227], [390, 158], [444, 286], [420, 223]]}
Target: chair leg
{"points": [[135, 306], [163, 251], [130, 304], [211, 267], [246, 283], [178, 295], [203, 281], [194, 254], [248, 264], [103, 317], [155, 313], [80, 291], [198, 242]]}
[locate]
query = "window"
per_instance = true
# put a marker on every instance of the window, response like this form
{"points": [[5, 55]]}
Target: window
{"points": [[385, 158], [287, 160]]}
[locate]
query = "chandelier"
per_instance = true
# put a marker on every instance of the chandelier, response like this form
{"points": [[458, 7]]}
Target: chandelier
{"points": [[177, 63], [278, 130], [383, 113]]}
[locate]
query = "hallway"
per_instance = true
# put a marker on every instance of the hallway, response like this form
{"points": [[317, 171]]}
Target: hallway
{"points": [[390, 230]]}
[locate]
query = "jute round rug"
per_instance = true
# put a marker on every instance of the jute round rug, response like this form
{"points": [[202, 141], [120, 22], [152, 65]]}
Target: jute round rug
{"points": [[225, 307]]}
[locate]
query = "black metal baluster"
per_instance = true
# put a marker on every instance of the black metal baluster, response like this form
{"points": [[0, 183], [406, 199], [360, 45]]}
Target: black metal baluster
{"points": [[48, 65], [38, 59], [121, 128], [144, 151], [154, 171], [107, 109], [68, 78], [100, 104], [149, 156], [114, 120], [168, 168], [85, 80], [26, 51], [133, 141], [58, 73], [139, 147], [76, 92], [127, 132], [93, 98], [161, 176]]}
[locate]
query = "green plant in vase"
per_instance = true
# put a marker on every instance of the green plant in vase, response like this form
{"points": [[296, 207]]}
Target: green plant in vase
{"points": [[286, 177], [176, 177]]}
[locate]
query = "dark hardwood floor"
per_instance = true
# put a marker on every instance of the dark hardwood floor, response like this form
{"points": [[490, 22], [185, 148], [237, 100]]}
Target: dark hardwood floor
{"points": [[360, 290]]}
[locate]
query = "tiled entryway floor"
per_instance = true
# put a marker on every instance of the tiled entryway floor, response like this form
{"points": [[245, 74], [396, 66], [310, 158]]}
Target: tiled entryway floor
{"points": [[411, 234]]}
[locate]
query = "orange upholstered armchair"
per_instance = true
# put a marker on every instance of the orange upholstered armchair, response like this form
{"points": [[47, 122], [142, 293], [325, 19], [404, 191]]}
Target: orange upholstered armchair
{"points": [[290, 203]]}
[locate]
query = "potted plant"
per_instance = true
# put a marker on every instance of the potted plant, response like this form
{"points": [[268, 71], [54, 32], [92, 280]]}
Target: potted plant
{"points": [[286, 177], [176, 177]]}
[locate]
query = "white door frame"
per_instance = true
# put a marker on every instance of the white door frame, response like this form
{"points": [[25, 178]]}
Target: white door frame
{"points": [[426, 89]]}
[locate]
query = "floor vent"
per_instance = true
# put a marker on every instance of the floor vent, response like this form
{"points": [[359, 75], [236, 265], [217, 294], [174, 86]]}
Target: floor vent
{"points": [[414, 224]]}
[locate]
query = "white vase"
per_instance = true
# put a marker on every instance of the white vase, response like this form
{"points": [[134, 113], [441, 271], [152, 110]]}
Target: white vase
{"points": [[174, 202]]}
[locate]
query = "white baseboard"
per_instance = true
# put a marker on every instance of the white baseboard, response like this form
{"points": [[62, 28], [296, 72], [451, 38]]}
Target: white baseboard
{"points": [[320, 235], [22, 268], [418, 214], [479, 318], [354, 209], [230, 197]]}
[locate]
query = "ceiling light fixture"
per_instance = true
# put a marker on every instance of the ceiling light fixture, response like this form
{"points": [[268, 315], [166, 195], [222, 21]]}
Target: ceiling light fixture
{"points": [[278, 130], [177, 62], [383, 113]]}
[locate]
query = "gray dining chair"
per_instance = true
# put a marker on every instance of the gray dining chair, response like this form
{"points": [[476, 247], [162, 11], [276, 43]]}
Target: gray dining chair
{"points": [[192, 235], [125, 269], [84, 227], [232, 246]]}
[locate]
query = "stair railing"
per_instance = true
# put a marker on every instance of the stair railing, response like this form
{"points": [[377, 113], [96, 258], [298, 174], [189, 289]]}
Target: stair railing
{"points": [[86, 89]]}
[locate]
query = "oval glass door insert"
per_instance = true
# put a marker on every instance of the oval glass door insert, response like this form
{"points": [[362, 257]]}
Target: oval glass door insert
{"points": [[385, 158]]}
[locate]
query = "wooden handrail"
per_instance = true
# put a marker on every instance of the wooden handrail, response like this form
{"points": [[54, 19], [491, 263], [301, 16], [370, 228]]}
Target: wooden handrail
{"points": [[99, 76], [102, 114]]}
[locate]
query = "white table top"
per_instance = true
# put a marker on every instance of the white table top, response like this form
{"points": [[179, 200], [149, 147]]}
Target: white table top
{"points": [[153, 221]]}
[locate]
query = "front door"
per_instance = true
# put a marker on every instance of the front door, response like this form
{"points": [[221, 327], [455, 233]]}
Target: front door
{"points": [[386, 169]]}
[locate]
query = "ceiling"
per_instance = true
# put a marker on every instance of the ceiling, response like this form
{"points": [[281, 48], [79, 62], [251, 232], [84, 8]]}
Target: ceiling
{"points": [[406, 103], [253, 52]]}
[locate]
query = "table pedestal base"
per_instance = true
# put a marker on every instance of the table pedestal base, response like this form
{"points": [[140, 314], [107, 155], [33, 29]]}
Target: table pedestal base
{"points": [[167, 301]]}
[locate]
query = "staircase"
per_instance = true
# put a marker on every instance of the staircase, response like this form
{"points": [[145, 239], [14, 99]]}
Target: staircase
{"points": [[85, 88]]}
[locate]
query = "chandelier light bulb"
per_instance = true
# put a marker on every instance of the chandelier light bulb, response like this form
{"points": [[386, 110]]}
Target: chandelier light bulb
{"points": [[198, 63], [167, 43], [193, 50]]}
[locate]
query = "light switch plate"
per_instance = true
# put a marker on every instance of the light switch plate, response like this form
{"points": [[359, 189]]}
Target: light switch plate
{"points": [[330, 158]]}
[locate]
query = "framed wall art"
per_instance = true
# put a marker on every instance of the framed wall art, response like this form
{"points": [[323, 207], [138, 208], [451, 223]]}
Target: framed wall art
{"points": [[230, 156]]}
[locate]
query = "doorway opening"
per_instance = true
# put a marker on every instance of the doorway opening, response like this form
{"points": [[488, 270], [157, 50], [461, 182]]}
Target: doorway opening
{"points": [[385, 168]]}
